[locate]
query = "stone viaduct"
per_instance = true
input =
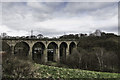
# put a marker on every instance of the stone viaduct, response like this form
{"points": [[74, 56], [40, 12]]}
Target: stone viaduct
{"points": [[44, 50]]}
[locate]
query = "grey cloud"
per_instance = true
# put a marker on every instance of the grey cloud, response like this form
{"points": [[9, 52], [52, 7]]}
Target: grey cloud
{"points": [[86, 6], [111, 29], [24, 16], [0, 13], [21, 15], [47, 32], [59, 0], [52, 32], [105, 13]]}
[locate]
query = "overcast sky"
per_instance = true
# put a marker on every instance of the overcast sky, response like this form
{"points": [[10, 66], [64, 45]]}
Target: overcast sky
{"points": [[56, 18]]}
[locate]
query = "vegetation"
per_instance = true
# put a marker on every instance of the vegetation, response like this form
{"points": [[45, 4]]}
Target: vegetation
{"points": [[93, 53], [17, 68], [96, 53], [55, 72]]}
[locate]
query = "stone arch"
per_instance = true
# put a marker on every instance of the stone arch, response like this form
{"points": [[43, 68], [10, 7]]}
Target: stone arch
{"points": [[51, 51], [6, 49], [21, 48], [38, 51], [71, 47], [63, 50]]}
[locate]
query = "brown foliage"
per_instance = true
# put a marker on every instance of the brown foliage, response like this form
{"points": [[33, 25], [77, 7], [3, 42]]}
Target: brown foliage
{"points": [[17, 68]]}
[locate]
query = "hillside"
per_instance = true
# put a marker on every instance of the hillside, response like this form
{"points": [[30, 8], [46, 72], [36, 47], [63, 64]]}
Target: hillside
{"points": [[56, 72]]}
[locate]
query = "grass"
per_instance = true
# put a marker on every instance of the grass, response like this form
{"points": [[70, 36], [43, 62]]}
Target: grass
{"points": [[45, 71]]}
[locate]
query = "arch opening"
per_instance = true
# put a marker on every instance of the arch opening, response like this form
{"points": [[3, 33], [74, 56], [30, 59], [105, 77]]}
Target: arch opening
{"points": [[63, 52], [21, 49], [6, 50], [38, 51], [71, 47], [51, 51]]}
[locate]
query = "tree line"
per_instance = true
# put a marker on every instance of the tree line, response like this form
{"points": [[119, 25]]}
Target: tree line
{"points": [[96, 53]]}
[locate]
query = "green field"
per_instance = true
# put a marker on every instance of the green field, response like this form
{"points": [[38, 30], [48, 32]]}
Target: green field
{"points": [[56, 72]]}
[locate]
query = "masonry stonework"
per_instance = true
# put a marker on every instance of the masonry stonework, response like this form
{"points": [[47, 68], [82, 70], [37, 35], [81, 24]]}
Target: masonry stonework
{"points": [[46, 43]]}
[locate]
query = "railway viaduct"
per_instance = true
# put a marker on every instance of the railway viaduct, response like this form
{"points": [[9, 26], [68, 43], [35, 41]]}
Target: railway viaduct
{"points": [[38, 49]]}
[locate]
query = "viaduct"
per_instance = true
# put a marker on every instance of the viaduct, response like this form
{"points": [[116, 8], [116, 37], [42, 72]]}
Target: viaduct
{"points": [[38, 49]]}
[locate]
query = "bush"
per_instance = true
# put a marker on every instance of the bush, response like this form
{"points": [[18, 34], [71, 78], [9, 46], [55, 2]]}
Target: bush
{"points": [[74, 59], [14, 67]]}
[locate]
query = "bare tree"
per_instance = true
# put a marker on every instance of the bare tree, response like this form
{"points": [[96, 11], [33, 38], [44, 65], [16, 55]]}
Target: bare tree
{"points": [[100, 54]]}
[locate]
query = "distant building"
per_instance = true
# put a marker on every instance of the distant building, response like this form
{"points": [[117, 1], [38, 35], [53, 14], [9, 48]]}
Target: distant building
{"points": [[96, 33], [39, 36]]}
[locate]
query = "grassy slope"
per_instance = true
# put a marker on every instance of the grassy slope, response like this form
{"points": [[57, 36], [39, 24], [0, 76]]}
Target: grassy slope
{"points": [[55, 72]]}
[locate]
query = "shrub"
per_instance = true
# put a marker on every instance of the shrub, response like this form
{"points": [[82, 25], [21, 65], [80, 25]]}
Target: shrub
{"points": [[15, 67], [74, 59]]}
